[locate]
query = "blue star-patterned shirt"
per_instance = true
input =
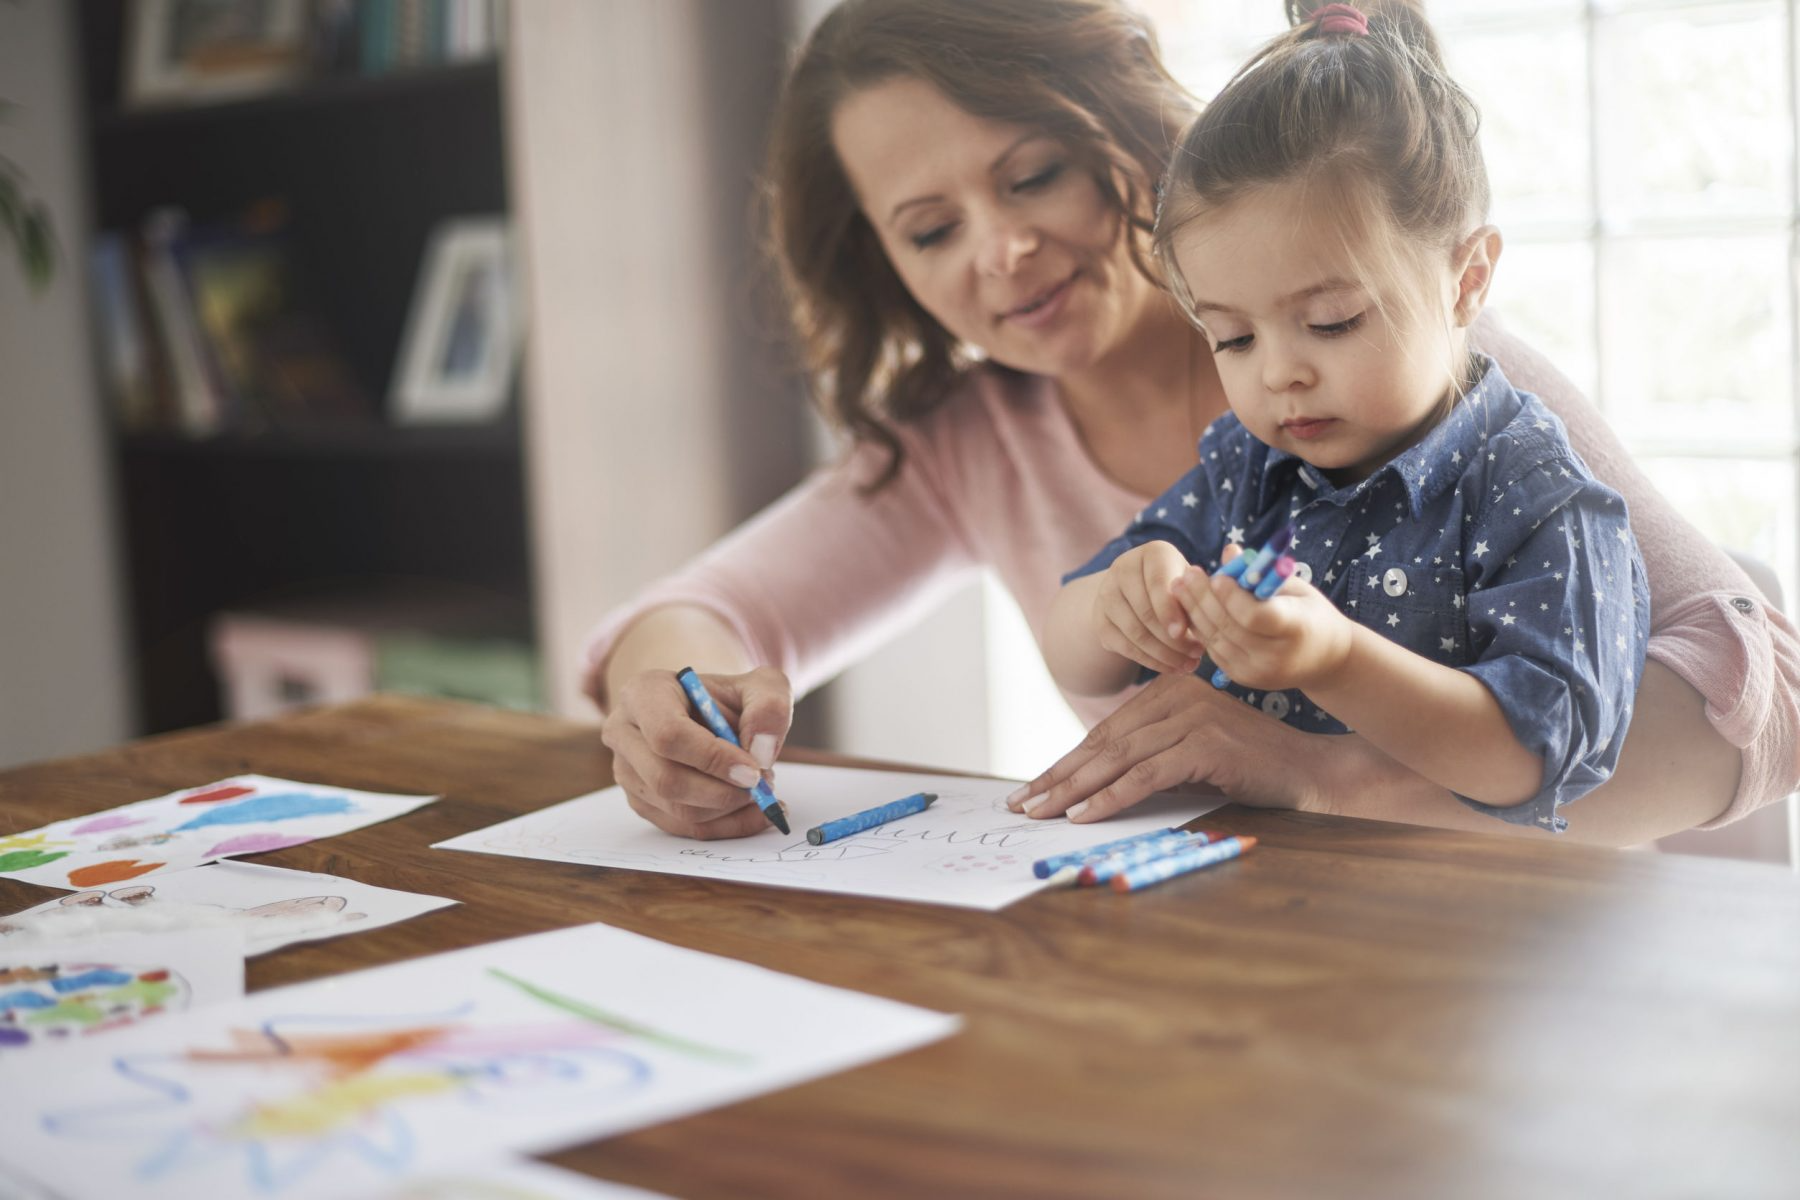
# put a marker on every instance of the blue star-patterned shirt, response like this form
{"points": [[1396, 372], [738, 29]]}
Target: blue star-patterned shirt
{"points": [[1488, 547]]}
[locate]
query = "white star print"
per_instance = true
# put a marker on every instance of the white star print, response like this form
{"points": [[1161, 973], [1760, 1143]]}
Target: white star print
{"points": [[1161, 513], [1225, 485], [1446, 644], [1188, 500], [1508, 619], [1624, 535], [1234, 535], [1374, 579], [1457, 600], [1330, 576], [1373, 538], [1481, 548], [1456, 456], [1373, 550], [1393, 619]]}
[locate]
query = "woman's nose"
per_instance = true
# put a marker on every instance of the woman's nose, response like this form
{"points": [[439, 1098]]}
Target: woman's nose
{"points": [[1004, 245]]}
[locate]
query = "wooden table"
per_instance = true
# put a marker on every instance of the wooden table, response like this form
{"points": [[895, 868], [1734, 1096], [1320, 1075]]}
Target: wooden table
{"points": [[1354, 1009]]}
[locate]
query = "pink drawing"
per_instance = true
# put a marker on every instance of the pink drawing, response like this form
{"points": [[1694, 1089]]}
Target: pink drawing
{"points": [[112, 821], [257, 843]]}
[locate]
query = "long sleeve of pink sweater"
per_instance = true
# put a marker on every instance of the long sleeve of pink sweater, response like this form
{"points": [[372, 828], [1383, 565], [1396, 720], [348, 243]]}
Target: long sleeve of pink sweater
{"points": [[997, 478]]}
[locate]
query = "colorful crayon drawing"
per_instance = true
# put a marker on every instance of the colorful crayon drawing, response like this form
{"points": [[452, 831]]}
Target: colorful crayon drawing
{"points": [[247, 814], [967, 849], [348, 1086], [269, 906], [59, 1000]]}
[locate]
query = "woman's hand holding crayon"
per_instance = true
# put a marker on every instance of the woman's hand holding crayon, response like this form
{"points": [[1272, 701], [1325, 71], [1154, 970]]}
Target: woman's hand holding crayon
{"points": [[1292, 638]]}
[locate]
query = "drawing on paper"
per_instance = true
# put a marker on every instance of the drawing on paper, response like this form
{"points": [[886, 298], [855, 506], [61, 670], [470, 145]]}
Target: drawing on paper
{"points": [[55, 1001], [297, 1093], [967, 849], [249, 814]]}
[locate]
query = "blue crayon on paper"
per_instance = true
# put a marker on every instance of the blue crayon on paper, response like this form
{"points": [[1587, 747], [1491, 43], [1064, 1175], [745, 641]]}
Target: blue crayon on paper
{"points": [[1043, 868], [868, 818], [709, 712], [1180, 863], [1096, 873]]}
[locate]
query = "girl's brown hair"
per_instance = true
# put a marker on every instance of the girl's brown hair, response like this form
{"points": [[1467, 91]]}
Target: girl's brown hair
{"points": [[1087, 72], [1371, 123]]}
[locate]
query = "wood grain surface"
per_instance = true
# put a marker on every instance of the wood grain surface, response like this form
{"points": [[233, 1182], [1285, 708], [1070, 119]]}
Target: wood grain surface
{"points": [[1354, 1009]]}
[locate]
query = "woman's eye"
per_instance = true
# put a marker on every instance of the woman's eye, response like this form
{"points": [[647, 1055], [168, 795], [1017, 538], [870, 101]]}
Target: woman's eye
{"points": [[1338, 328], [1234, 345], [1041, 179], [931, 237]]}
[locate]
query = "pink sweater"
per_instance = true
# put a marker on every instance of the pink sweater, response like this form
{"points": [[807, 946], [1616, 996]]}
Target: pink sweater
{"points": [[998, 478]]}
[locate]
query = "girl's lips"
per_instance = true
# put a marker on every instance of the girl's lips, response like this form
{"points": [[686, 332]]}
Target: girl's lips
{"points": [[1045, 308], [1309, 428]]}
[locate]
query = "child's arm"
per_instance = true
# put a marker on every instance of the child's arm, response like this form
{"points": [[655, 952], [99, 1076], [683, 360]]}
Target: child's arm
{"points": [[1104, 626], [1439, 721]]}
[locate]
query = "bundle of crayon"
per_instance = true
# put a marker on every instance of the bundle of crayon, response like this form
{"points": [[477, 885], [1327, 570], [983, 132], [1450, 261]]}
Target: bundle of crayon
{"points": [[1134, 862], [1261, 574]]}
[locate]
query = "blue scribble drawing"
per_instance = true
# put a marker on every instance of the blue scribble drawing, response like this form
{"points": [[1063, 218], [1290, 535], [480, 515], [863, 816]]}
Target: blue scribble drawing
{"points": [[280, 806]]}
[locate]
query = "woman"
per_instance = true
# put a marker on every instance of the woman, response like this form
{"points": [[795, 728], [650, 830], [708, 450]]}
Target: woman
{"points": [[960, 195]]}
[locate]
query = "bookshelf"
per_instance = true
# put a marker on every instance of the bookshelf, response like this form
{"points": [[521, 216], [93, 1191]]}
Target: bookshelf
{"points": [[365, 168]]}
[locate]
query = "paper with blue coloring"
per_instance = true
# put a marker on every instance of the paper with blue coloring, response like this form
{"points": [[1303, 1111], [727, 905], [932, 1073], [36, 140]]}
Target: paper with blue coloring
{"points": [[246, 814]]}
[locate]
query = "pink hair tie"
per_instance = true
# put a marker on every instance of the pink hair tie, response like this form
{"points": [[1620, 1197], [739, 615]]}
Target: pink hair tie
{"points": [[1341, 18]]}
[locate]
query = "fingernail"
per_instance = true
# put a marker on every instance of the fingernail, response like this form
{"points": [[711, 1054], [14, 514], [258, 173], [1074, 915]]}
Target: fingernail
{"points": [[762, 749], [744, 777], [1174, 629], [1017, 794], [1035, 803], [1076, 810]]}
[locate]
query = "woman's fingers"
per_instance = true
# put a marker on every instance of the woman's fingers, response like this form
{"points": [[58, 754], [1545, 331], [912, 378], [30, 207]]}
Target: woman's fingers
{"points": [[686, 794], [656, 705], [763, 702]]}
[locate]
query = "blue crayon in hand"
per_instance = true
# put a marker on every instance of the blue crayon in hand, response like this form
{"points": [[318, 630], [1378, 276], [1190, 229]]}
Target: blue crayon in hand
{"points": [[715, 720], [868, 818], [1260, 574]]}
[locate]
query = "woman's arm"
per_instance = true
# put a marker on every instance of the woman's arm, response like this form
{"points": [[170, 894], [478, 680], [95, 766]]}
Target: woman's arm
{"points": [[1721, 690], [783, 601]]}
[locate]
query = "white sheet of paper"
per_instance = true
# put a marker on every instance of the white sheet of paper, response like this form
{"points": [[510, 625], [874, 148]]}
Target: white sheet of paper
{"points": [[966, 849], [58, 994], [513, 1179], [271, 906], [246, 814], [342, 1086]]}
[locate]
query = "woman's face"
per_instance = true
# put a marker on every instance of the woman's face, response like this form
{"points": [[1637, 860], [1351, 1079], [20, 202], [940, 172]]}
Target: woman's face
{"points": [[993, 228]]}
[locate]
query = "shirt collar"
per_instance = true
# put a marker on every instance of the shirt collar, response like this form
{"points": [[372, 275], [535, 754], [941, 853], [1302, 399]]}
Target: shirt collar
{"points": [[1427, 469]]}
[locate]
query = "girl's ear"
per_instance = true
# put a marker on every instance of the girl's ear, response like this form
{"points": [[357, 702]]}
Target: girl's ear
{"points": [[1475, 259]]}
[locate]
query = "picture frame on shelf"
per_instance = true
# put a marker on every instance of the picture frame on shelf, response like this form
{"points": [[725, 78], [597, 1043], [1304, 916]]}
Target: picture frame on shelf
{"points": [[463, 329], [187, 51]]}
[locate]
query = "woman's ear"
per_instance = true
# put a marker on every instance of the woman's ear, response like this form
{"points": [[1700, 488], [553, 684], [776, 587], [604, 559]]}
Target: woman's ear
{"points": [[1475, 259]]}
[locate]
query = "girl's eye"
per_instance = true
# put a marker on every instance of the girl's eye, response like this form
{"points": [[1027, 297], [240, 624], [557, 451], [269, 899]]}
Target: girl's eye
{"points": [[1236, 345], [1042, 179], [1338, 328], [931, 237]]}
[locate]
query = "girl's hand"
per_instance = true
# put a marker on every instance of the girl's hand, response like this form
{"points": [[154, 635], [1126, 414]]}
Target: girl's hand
{"points": [[680, 777], [1137, 616], [1294, 639]]}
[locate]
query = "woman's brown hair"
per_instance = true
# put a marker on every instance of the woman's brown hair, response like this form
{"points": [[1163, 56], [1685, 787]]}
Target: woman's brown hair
{"points": [[1356, 104], [1087, 72]]}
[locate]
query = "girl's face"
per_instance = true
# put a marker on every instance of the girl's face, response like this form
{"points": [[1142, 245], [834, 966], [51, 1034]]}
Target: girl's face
{"points": [[993, 228], [1311, 362]]}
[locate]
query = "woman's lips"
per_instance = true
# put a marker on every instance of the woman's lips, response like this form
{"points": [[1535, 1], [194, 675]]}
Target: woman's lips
{"points": [[1044, 307]]}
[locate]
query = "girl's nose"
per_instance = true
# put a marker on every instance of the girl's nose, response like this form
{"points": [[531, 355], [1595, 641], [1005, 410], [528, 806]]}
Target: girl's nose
{"points": [[1283, 369]]}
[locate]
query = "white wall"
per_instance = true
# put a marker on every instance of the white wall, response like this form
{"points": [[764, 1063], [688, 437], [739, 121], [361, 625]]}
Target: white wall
{"points": [[63, 686]]}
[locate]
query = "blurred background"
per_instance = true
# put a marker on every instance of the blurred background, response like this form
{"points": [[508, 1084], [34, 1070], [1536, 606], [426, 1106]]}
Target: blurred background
{"points": [[358, 344]]}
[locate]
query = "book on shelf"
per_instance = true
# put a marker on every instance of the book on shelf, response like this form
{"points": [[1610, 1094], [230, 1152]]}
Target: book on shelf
{"points": [[203, 330]]}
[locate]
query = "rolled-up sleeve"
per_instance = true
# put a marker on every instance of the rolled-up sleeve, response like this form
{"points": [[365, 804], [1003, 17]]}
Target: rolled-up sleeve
{"points": [[1559, 624]]}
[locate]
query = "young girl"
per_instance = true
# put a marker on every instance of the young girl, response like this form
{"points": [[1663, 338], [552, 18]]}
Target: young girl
{"points": [[1467, 596]]}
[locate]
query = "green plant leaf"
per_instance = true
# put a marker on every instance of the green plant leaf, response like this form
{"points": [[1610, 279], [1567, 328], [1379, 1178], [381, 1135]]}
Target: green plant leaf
{"points": [[37, 247]]}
